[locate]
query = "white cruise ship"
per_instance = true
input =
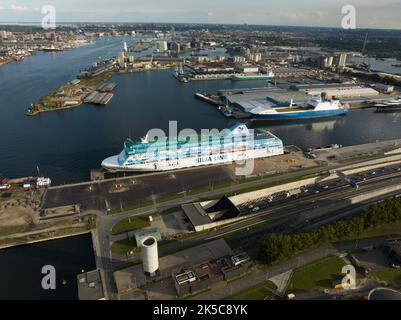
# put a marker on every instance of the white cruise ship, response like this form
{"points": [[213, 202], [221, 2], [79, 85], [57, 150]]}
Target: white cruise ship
{"points": [[235, 144]]}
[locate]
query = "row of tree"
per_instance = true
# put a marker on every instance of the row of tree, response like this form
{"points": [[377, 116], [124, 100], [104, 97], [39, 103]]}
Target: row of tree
{"points": [[279, 246], [374, 77]]}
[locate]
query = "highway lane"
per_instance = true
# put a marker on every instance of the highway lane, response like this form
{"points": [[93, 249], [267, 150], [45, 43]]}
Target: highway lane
{"points": [[284, 208], [286, 216], [287, 213]]}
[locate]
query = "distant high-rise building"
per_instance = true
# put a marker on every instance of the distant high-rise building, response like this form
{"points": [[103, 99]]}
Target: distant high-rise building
{"points": [[125, 47], [256, 57], [342, 61], [3, 35], [239, 59], [327, 62], [162, 46], [175, 46], [121, 59]]}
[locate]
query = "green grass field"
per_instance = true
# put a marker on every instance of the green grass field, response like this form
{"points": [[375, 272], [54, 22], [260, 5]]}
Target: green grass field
{"points": [[6, 231], [390, 276], [130, 224], [316, 275], [96, 81], [259, 292], [124, 246]]}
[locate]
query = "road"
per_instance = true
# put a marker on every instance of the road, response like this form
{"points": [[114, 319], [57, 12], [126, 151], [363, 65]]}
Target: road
{"points": [[260, 276], [316, 197]]}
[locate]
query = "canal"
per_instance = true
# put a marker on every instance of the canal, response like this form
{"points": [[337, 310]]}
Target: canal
{"points": [[21, 266]]}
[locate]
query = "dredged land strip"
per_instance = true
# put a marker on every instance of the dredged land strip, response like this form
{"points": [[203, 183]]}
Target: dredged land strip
{"points": [[70, 95]]}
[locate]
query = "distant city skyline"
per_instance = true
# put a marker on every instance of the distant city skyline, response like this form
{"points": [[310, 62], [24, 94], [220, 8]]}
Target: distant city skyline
{"points": [[370, 14]]}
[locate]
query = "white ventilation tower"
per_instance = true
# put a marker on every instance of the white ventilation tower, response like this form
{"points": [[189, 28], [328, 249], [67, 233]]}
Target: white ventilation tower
{"points": [[150, 257]]}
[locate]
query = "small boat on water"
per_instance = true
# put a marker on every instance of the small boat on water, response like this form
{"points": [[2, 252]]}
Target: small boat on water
{"points": [[19, 58], [393, 105]]}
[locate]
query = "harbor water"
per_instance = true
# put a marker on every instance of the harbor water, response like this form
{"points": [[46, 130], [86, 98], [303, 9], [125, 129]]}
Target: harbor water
{"points": [[21, 268], [67, 144]]}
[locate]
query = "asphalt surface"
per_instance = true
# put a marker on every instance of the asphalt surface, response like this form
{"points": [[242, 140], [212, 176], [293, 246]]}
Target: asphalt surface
{"points": [[263, 275], [280, 207], [130, 191], [103, 195]]}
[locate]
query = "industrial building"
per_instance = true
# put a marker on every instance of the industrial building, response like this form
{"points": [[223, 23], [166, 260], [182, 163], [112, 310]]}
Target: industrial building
{"points": [[175, 47], [90, 286], [338, 93], [131, 280], [290, 72], [244, 68], [162, 46], [211, 214], [246, 100], [196, 278]]}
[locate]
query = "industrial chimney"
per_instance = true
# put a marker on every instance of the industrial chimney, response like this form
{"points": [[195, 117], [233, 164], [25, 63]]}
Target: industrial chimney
{"points": [[150, 258]]}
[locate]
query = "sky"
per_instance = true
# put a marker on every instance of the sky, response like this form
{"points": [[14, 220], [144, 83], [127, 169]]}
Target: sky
{"points": [[326, 13]]}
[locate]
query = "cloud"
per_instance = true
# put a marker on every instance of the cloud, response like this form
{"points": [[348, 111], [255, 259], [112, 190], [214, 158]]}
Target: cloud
{"points": [[210, 14], [17, 7]]}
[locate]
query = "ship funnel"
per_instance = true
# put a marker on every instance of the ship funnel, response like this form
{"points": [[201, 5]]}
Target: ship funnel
{"points": [[145, 139]]}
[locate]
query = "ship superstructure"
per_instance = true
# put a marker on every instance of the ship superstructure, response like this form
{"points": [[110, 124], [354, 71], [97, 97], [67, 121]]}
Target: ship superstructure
{"points": [[237, 143]]}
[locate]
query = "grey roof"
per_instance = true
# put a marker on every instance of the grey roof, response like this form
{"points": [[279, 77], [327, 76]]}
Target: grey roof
{"points": [[196, 214], [267, 98], [90, 286]]}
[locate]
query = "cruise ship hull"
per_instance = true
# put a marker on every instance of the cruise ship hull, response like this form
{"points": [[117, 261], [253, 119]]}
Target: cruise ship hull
{"points": [[300, 115], [112, 164]]}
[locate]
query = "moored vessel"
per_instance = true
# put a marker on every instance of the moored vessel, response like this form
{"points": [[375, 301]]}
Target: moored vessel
{"points": [[257, 76], [315, 107], [237, 143]]}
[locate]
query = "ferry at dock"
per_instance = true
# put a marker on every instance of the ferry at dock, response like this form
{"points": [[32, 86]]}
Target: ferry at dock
{"points": [[237, 143], [316, 107], [258, 76]]}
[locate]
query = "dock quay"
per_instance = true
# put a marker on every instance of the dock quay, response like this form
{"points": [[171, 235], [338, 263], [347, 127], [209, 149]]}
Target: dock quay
{"points": [[97, 97], [114, 193], [120, 193], [213, 100], [246, 99], [107, 87]]}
